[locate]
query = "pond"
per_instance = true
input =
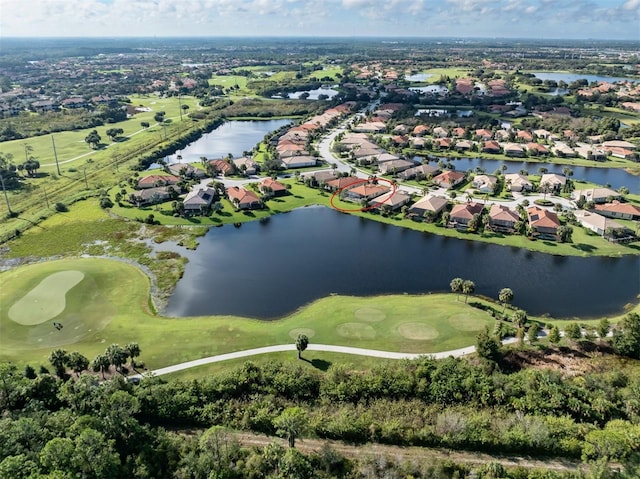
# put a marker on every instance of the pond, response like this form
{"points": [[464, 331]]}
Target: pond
{"points": [[614, 177], [436, 112], [433, 89], [314, 94], [418, 77], [233, 137], [269, 269], [571, 77]]}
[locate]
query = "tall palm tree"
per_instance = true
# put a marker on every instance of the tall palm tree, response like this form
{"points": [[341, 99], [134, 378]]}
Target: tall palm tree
{"points": [[456, 286], [101, 363], [505, 296], [468, 287]]}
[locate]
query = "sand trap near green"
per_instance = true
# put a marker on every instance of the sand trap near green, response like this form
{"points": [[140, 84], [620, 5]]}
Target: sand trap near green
{"points": [[47, 300]]}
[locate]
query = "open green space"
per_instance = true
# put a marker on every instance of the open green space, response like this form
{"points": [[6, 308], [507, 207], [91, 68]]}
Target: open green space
{"points": [[109, 305]]}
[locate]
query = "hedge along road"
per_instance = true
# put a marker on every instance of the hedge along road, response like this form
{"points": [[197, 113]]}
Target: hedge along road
{"points": [[312, 347]]}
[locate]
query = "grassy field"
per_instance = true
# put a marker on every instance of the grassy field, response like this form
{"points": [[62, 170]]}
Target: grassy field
{"points": [[109, 305]]}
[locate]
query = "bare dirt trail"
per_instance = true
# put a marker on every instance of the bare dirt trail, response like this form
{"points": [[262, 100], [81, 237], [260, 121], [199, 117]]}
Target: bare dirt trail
{"points": [[413, 454]]}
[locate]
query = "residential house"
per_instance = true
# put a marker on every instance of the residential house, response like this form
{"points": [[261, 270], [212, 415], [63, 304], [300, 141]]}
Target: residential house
{"points": [[222, 167], [458, 132], [150, 196], [616, 209], [537, 149], [342, 182], [370, 127], [319, 177], [153, 181], [517, 182], [74, 102], [198, 200], [185, 170], [449, 179], [391, 200], [502, 135], [619, 144], [463, 145], [513, 149], [544, 224], [484, 134], [485, 183], [563, 150], [271, 187], [299, 161], [421, 171], [524, 136], [365, 191], [590, 152], [541, 133], [553, 181], [624, 153], [491, 147], [595, 222], [395, 166], [442, 143], [461, 214], [439, 132], [428, 207], [502, 219], [243, 199], [246, 165], [420, 130], [597, 195]]}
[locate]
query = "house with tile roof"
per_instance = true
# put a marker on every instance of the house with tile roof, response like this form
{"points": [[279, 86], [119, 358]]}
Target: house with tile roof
{"points": [[243, 199], [502, 219], [617, 209], [449, 178], [461, 214], [428, 207], [544, 224]]}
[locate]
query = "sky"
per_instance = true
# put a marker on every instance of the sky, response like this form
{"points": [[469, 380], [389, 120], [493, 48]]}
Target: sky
{"points": [[570, 19]]}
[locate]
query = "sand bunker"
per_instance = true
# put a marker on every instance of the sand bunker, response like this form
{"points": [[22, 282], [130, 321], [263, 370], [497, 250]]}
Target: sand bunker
{"points": [[47, 300]]}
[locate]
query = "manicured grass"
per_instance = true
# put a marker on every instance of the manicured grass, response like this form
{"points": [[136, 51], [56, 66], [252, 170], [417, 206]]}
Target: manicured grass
{"points": [[450, 72], [109, 306], [326, 72]]}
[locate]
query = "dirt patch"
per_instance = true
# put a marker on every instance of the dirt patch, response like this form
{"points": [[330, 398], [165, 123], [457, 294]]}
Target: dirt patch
{"points": [[418, 331], [356, 331], [570, 361], [370, 315]]}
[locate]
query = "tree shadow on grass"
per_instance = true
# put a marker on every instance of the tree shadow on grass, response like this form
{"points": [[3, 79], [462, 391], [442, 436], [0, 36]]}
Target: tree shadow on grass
{"points": [[320, 364], [584, 247]]}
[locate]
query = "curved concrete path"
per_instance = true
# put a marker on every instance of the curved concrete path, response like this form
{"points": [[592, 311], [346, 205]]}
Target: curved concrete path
{"points": [[376, 353]]}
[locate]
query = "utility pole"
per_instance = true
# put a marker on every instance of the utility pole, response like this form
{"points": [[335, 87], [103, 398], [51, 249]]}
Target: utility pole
{"points": [[6, 198], [55, 154]]}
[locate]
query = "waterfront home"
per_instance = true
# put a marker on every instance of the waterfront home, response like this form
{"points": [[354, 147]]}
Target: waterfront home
{"points": [[319, 177], [463, 145], [485, 183], [222, 167], [590, 152], [243, 199], [616, 209], [271, 187], [513, 149], [597, 195], [553, 181], [619, 144], [525, 136], [365, 191], [502, 219], [596, 223], [624, 153], [185, 170], [421, 171], [395, 166], [461, 214], [391, 200], [563, 150], [544, 224], [342, 182], [439, 132], [153, 181], [198, 200], [442, 143], [537, 149], [429, 207], [449, 179], [517, 182], [150, 196], [420, 130], [491, 147], [246, 165]]}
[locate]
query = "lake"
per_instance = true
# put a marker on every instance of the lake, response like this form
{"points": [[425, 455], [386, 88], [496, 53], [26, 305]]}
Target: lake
{"points": [[314, 94], [571, 77], [233, 137], [418, 77], [269, 269], [615, 177], [433, 89]]}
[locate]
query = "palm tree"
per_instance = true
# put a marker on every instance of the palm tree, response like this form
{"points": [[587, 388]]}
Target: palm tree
{"points": [[133, 351], [302, 341], [101, 363], [291, 424], [519, 318], [117, 356], [505, 296], [78, 362], [58, 359], [468, 287], [456, 286]]}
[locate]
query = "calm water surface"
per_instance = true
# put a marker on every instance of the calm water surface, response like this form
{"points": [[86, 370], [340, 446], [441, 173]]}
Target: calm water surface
{"points": [[233, 137], [615, 177], [269, 269], [571, 77]]}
